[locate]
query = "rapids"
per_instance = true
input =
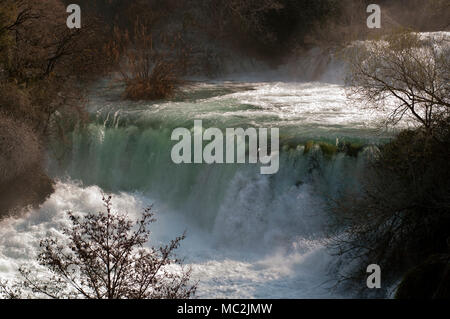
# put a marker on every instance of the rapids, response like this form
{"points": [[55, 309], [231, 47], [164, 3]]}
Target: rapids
{"points": [[248, 235]]}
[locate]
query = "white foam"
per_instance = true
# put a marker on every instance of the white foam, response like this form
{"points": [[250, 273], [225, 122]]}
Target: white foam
{"points": [[297, 271]]}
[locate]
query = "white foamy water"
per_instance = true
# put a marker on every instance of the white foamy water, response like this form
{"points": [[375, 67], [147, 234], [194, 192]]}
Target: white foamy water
{"points": [[248, 235], [299, 271], [312, 109]]}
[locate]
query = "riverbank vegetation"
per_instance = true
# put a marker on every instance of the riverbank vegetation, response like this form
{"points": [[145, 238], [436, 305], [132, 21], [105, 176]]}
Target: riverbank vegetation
{"points": [[344, 24], [44, 71], [401, 216]]}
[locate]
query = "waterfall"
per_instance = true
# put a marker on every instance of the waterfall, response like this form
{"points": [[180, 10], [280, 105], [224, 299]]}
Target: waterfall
{"points": [[248, 235]]}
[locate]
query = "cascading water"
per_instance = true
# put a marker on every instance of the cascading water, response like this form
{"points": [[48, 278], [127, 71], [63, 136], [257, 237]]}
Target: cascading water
{"points": [[249, 235]]}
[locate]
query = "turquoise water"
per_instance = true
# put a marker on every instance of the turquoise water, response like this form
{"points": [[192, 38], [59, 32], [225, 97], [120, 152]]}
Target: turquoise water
{"points": [[249, 235]]}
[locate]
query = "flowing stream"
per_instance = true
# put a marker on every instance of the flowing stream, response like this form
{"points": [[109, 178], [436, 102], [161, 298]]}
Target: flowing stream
{"points": [[248, 235]]}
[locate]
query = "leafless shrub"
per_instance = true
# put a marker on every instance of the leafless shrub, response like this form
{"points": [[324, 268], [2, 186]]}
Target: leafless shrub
{"points": [[401, 214], [104, 258], [404, 74], [45, 64], [150, 66]]}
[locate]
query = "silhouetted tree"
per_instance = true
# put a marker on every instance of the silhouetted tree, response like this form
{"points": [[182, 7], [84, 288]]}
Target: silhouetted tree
{"points": [[104, 258], [406, 74]]}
